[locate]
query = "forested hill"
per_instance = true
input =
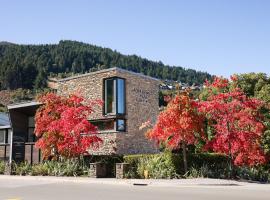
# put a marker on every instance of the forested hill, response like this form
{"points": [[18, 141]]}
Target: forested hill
{"points": [[28, 66]]}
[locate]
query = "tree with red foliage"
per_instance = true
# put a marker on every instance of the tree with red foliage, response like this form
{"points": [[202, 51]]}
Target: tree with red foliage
{"points": [[179, 124], [62, 126], [236, 122]]}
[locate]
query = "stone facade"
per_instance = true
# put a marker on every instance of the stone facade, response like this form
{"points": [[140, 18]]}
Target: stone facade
{"points": [[141, 105]]}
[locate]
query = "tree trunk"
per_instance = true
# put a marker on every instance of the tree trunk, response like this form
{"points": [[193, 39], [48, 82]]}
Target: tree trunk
{"points": [[184, 156]]}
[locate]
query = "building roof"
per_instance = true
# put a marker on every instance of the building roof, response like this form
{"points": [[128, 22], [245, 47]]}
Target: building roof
{"points": [[4, 120], [107, 70], [23, 104]]}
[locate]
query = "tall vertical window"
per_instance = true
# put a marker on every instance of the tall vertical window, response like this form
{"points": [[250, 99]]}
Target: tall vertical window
{"points": [[31, 128], [109, 96], [114, 96]]}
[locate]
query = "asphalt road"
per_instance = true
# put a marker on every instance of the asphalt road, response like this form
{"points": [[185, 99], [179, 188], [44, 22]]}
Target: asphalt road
{"points": [[49, 190]]}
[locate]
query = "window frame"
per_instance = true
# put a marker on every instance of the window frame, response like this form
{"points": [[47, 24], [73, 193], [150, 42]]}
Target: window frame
{"points": [[116, 125], [29, 127], [115, 128], [115, 93], [5, 136]]}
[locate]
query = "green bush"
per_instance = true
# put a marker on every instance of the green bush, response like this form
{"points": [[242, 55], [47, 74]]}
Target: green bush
{"points": [[64, 168], [168, 165], [158, 165], [22, 169], [39, 170], [2, 167], [253, 173], [208, 165]]}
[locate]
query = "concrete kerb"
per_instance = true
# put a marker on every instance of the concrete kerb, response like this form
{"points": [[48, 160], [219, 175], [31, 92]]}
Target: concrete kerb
{"points": [[200, 182]]}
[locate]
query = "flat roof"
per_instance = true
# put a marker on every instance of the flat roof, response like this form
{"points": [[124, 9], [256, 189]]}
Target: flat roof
{"points": [[107, 70], [5, 127], [23, 104]]}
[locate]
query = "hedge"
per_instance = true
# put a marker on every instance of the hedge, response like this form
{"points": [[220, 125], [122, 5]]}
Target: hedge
{"points": [[172, 164]]}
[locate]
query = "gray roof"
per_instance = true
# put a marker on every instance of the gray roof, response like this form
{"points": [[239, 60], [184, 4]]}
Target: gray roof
{"points": [[23, 104], [107, 70], [4, 119]]}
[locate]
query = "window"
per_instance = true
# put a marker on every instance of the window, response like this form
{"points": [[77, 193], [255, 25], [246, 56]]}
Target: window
{"points": [[114, 96], [3, 136], [120, 96], [109, 96], [110, 125], [104, 125], [9, 136], [121, 125], [31, 127]]}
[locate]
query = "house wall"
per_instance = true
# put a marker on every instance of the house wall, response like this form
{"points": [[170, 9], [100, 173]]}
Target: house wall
{"points": [[141, 105]]}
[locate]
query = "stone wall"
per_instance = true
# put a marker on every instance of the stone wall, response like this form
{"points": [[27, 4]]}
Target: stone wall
{"points": [[141, 105]]}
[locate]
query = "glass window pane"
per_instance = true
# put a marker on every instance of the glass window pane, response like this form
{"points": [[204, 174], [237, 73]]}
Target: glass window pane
{"points": [[31, 122], [121, 125], [109, 96], [120, 96], [9, 136], [31, 137], [104, 125], [2, 136]]}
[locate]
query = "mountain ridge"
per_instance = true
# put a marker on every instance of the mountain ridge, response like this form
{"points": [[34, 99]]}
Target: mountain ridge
{"points": [[38, 61]]}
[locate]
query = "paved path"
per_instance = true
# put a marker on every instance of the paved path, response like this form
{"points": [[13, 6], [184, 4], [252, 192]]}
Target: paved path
{"points": [[50, 188]]}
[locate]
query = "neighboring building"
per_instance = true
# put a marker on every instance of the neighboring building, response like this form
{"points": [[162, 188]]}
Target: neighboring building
{"points": [[129, 100], [23, 139], [5, 135]]}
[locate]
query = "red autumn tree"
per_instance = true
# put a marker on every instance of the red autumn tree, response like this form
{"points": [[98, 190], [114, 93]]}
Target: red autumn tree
{"points": [[62, 126], [236, 121], [179, 124]]}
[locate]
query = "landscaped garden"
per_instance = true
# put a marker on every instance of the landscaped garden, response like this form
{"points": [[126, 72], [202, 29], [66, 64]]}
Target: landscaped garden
{"points": [[224, 133]]}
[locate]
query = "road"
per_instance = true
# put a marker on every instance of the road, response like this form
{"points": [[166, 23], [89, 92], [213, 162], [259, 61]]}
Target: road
{"points": [[24, 189]]}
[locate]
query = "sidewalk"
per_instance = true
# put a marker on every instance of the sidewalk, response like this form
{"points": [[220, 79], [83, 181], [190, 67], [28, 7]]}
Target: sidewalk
{"points": [[207, 182]]}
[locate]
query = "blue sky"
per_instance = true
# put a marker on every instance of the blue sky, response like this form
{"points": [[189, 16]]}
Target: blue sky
{"points": [[221, 37]]}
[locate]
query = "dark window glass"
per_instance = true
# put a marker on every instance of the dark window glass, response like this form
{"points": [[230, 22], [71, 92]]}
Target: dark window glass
{"points": [[2, 136], [31, 122], [109, 96], [31, 136], [121, 125], [104, 125], [114, 97], [31, 128], [120, 96]]}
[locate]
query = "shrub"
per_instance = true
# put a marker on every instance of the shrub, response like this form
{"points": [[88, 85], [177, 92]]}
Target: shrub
{"points": [[160, 166], [209, 165], [168, 165], [22, 169], [157, 165], [39, 170], [64, 168], [2, 167], [253, 174]]}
